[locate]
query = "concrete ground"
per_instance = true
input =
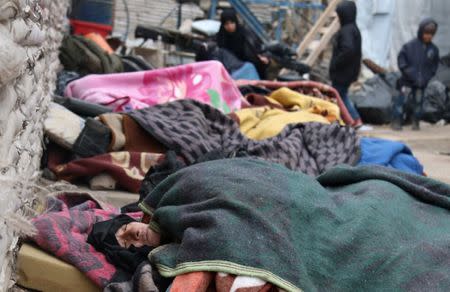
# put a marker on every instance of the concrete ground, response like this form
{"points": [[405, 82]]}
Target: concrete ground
{"points": [[431, 146]]}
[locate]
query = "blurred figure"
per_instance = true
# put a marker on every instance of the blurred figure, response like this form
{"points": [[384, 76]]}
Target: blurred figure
{"points": [[240, 42], [236, 68], [418, 62], [347, 53]]}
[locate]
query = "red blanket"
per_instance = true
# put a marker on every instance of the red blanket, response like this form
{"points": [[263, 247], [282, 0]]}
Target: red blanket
{"points": [[64, 228], [127, 168]]}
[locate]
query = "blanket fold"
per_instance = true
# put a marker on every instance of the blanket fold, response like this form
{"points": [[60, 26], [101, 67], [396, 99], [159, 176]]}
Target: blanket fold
{"points": [[368, 227], [192, 129], [389, 153]]}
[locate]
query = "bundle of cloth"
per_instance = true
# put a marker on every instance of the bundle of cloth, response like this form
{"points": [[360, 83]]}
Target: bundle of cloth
{"points": [[389, 153], [266, 116], [125, 146], [207, 82], [245, 222], [84, 56], [310, 88], [115, 151]]}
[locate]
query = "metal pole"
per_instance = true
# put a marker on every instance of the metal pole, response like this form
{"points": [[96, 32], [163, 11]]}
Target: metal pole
{"points": [[180, 6]]}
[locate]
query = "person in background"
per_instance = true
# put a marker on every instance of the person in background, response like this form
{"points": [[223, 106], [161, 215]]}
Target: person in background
{"points": [[239, 41], [418, 62], [236, 68], [345, 63]]}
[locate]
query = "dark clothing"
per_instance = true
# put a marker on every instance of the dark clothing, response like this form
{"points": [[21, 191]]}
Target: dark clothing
{"points": [[93, 140], [209, 51], [413, 98], [241, 43], [343, 92], [417, 60], [347, 53], [103, 238]]}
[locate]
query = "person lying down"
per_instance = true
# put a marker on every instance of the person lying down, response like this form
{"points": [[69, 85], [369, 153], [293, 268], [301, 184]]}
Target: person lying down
{"points": [[137, 234], [368, 227]]}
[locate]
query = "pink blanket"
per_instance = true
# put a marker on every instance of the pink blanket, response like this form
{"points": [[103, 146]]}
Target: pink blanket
{"points": [[207, 82], [64, 228]]}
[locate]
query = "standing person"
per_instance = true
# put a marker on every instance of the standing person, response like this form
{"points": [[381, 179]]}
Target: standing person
{"points": [[347, 53], [418, 62], [240, 42]]}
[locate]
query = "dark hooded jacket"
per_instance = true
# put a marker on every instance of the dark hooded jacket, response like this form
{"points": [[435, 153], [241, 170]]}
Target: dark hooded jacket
{"points": [[417, 60], [346, 60], [242, 43]]}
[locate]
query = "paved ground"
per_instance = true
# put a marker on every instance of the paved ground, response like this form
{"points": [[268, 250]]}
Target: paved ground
{"points": [[431, 146]]}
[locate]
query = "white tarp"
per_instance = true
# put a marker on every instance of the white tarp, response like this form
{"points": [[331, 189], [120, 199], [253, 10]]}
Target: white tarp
{"points": [[387, 24]]}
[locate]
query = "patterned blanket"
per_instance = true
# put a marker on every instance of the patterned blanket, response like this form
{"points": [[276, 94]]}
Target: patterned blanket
{"points": [[193, 129], [222, 282], [126, 169], [207, 82], [64, 228]]}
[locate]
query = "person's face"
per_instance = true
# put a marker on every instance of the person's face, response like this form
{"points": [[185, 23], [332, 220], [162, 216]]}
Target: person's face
{"points": [[427, 37], [230, 26], [137, 234]]}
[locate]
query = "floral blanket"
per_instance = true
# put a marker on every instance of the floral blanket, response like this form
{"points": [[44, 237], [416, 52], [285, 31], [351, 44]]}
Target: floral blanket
{"points": [[207, 82]]}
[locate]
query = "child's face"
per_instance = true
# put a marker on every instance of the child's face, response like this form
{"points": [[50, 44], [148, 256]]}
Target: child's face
{"points": [[230, 26], [427, 37]]}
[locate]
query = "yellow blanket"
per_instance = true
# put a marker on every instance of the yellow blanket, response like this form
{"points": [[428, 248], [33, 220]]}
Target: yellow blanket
{"points": [[265, 122]]}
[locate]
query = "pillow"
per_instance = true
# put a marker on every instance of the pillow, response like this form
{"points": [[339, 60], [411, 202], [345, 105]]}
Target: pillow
{"points": [[62, 126]]}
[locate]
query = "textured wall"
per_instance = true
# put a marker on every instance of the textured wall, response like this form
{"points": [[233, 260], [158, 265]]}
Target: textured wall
{"points": [[153, 12], [30, 34], [150, 12]]}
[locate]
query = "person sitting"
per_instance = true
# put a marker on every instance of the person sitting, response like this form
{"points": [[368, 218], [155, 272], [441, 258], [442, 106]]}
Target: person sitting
{"points": [[236, 68], [418, 62], [235, 38]]}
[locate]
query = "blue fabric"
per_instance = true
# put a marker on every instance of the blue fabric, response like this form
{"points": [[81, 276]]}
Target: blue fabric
{"points": [[389, 153], [247, 71], [342, 89]]}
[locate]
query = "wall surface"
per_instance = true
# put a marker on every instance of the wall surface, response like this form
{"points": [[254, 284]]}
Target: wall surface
{"points": [[30, 34], [163, 13], [150, 12]]}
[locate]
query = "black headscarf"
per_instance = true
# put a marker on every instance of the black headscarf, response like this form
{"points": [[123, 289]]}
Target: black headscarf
{"points": [[233, 42], [103, 238]]}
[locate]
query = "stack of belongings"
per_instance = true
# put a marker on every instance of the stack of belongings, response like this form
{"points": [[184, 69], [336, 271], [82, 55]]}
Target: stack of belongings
{"points": [[436, 105], [91, 54], [257, 186], [374, 99]]}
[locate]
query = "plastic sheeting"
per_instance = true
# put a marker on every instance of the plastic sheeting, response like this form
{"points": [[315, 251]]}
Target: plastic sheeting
{"points": [[387, 24]]}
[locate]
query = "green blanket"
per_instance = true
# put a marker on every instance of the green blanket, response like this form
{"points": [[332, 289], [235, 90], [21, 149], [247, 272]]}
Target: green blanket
{"points": [[364, 228]]}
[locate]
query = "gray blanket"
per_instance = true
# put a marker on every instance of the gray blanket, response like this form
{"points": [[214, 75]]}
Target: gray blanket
{"points": [[193, 129]]}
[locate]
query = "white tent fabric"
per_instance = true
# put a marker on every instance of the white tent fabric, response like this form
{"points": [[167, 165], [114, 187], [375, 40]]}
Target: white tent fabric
{"points": [[387, 24]]}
